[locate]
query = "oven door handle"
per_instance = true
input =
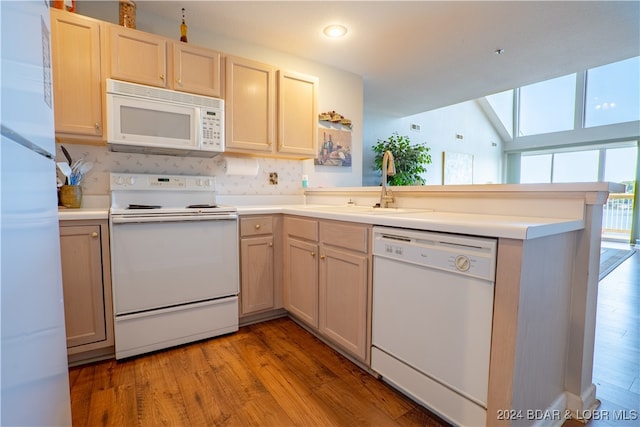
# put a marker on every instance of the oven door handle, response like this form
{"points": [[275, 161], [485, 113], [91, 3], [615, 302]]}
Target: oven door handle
{"points": [[172, 218]]}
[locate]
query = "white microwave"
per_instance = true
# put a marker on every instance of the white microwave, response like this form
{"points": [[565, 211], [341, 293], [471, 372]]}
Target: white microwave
{"points": [[150, 120]]}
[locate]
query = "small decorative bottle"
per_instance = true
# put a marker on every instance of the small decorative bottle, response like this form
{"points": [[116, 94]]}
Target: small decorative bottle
{"points": [[183, 29]]}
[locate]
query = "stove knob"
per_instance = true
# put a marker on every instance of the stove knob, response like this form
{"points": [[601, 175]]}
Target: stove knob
{"points": [[119, 180], [131, 180], [209, 183], [199, 182]]}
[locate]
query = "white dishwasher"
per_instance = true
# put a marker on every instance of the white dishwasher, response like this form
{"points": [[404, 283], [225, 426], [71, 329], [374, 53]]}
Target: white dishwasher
{"points": [[432, 318]]}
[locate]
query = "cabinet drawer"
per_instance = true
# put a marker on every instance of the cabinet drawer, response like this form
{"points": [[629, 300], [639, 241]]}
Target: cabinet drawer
{"points": [[303, 228], [254, 226], [354, 237]]}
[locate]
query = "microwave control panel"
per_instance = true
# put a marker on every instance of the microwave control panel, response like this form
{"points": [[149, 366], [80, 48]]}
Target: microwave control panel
{"points": [[212, 136]]}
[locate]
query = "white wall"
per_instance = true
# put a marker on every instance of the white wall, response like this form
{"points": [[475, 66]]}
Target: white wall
{"points": [[438, 129], [339, 90]]}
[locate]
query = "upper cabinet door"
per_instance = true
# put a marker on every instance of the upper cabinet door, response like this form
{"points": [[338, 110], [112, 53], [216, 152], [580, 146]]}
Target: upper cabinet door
{"points": [[196, 69], [297, 113], [138, 57], [77, 85], [249, 105]]}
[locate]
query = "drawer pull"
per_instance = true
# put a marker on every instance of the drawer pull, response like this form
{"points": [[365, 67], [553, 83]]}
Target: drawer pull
{"points": [[257, 226]]}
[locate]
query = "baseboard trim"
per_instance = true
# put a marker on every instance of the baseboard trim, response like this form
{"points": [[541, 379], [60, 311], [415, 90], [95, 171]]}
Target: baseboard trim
{"points": [[581, 407], [555, 415]]}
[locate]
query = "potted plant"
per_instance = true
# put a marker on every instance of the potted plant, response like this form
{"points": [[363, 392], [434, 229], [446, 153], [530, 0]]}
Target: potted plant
{"points": [[410, 160]]}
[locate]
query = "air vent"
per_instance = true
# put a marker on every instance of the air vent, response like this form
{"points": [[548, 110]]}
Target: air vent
{"points": [[154, 93]]}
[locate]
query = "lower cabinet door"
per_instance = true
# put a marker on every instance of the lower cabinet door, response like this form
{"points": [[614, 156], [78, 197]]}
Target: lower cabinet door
{"points": [[257, 280], [343, 299], [84, 303], [301, 280]]}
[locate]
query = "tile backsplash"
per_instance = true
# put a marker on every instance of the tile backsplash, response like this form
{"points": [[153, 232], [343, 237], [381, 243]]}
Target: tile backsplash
{"points": [[96, 182]]}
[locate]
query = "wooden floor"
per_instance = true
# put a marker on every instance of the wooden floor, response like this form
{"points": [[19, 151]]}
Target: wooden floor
{"points": [[270, 374], [616, 370], [277, 374]]}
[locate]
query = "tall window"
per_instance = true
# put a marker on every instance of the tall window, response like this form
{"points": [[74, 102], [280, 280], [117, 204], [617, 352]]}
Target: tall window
{"points": [[535, 168], [616, 164], [613, 93], [548, 106], [576, 166]]}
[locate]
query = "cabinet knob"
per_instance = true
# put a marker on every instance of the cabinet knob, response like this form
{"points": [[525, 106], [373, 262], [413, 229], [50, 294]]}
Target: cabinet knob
{"points": [[179, 81], [322, 257], [313, 254], [161, 76], [97, 125], [94, 234], [270, 244], [257, 226]]}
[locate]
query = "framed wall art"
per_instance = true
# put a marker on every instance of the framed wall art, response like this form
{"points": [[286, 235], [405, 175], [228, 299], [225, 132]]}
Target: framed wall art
{"points": [[334, 147], [457, 168]]}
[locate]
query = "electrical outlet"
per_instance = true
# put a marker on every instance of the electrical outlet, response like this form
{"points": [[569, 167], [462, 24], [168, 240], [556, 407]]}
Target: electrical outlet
{"points": [[415, 127], [273, 178]]}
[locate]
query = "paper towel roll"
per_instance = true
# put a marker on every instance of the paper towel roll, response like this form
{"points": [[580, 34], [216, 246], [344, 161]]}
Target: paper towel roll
{"points": [[235, 166]]}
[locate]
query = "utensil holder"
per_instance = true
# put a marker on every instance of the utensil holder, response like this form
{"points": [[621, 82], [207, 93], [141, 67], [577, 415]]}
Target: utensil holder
{"points": [[71, 196]]}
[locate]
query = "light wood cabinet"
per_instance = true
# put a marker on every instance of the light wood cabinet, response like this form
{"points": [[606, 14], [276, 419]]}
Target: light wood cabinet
{"points": [[77, 89], [301, 269], [86, 282], [196, 69], [250, 106], [344, 285], [137, 56], [257, 272], [328, 280], [153, 60], [255, 110], [297, 114]]}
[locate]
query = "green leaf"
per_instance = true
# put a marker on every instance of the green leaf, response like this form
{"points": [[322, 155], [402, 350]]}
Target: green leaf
{"points": [[410, 160]]}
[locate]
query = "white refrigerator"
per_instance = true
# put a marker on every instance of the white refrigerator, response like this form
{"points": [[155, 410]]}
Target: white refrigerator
{"points": [[33, 359]]}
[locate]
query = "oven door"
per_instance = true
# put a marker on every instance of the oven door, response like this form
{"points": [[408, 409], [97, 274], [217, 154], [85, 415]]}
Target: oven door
{"points": [[162, 262]]}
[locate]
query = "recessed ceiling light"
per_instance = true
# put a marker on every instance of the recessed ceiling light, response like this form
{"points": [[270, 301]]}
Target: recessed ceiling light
{"points": [[335, 31]]}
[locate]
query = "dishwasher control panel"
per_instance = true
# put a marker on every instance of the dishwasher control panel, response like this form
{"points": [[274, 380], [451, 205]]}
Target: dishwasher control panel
{"points": [[467, 255]]}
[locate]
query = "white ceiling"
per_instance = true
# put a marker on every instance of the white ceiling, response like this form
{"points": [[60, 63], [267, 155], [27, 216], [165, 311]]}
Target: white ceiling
{"points": [[416, 56]]}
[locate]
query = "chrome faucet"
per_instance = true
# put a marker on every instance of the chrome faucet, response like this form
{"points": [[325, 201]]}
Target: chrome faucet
{"points": [[388, 168]]}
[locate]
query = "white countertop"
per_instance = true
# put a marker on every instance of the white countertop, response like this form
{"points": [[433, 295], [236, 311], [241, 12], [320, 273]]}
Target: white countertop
{"points": [[513, 227], [505, 226], [502, 226], [71, 214]]}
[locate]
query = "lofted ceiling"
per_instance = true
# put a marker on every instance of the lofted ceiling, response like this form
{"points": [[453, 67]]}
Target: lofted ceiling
{"points": [[416, 56]]}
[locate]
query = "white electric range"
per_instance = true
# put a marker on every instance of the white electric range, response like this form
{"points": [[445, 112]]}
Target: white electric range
{"points": [[174, 261]]}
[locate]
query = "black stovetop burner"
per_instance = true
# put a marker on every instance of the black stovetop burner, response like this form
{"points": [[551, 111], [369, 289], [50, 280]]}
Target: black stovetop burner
{"points": [[133, 206], [198, 206], [201, 206]]}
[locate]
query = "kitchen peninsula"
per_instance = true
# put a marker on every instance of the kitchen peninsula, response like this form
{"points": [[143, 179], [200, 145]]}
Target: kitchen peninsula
{"points": [[548, 241]]}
